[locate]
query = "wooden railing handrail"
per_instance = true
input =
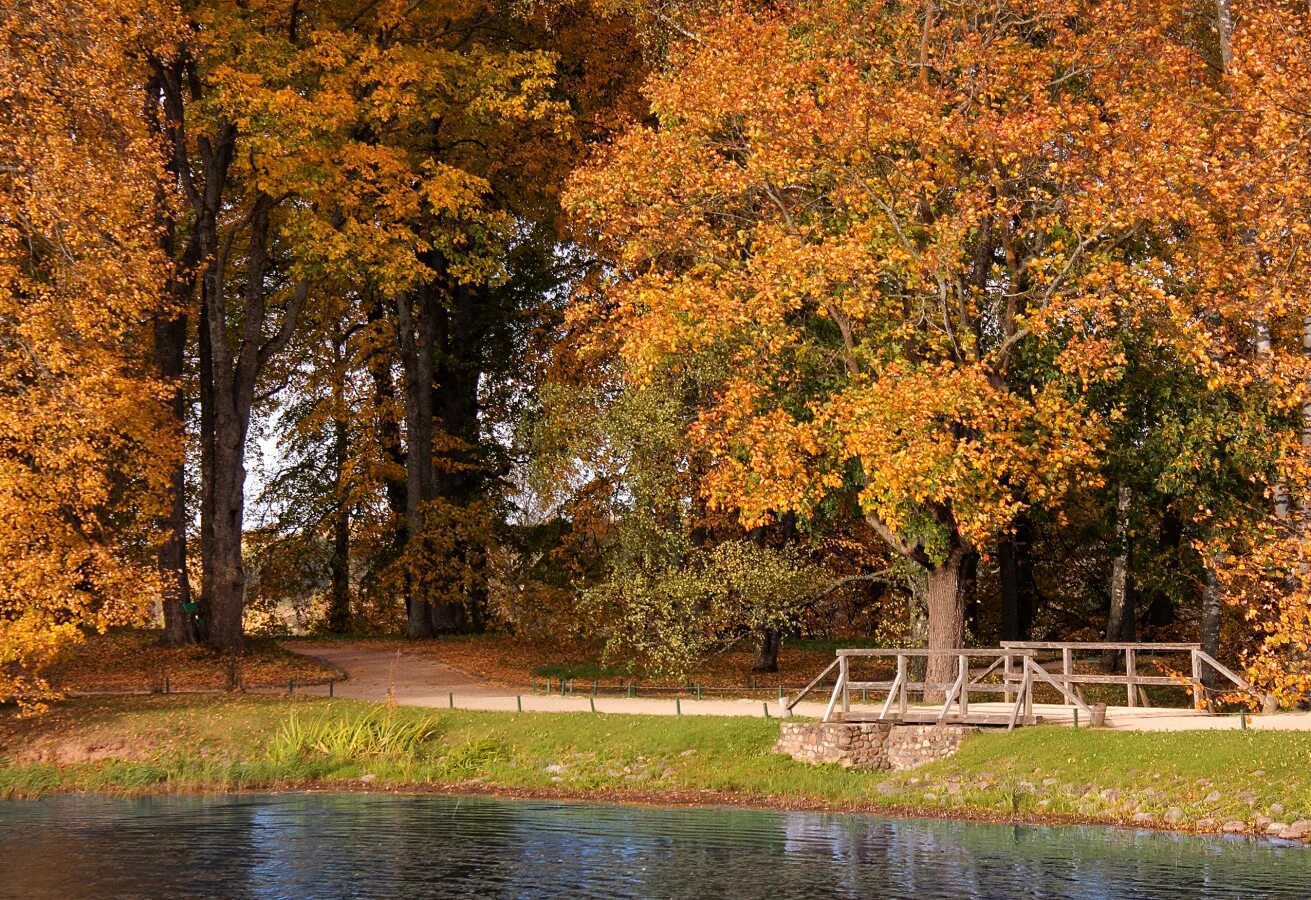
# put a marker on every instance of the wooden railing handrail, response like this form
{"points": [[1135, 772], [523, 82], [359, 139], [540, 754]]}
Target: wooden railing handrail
{"points": [[988, 652], [1019, 681], [1223, 669], [1099, 645], [807, 689]]}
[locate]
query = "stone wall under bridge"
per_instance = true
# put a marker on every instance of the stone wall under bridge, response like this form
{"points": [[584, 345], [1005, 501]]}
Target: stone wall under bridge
{"points": [[870, 745]]}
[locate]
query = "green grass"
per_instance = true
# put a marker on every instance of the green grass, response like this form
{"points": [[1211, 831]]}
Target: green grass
{"points": [[222, 743]]}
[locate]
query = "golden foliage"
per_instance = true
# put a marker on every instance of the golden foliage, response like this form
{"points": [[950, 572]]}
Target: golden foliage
{"points": [[84, 448]]}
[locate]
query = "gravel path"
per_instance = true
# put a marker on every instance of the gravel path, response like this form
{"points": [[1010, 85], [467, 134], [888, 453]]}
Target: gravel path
{"points": [[420, 679]]}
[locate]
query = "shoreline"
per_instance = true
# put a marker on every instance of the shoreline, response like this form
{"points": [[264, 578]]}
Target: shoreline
{"points": [[1251, 784], [676, 799]]}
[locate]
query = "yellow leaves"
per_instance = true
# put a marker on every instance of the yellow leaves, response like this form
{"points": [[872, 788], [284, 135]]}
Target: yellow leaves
{"points": [[84, 452]]}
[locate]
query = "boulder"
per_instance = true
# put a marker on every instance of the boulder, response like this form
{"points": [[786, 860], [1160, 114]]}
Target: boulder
{"points": [[1299, 830]]}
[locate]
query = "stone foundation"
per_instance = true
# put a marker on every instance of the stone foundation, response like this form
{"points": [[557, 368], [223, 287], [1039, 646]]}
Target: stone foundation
{"points": [[869, 745]]}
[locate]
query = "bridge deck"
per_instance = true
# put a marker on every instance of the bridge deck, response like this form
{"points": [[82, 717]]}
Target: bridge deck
{"points": [[985, 714]]}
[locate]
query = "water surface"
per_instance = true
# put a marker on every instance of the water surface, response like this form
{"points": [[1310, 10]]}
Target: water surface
{"points": [[361, 845]]}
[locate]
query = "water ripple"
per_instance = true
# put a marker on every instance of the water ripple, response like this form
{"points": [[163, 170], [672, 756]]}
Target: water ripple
{"points": [[354, 845]]}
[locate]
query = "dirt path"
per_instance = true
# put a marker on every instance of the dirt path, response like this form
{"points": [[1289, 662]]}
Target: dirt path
{"points": [[414, 678], [420, 679]]}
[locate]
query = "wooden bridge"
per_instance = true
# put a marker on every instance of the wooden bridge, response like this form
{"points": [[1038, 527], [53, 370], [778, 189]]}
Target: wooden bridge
{"points": [[1012, 671]]}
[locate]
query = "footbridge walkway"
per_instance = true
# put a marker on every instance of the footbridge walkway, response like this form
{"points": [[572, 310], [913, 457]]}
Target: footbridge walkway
{"points": [[1011, 673]]}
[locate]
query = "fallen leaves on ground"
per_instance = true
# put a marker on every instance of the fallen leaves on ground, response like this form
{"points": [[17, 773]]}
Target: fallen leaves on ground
{"points": [[133, 659]]}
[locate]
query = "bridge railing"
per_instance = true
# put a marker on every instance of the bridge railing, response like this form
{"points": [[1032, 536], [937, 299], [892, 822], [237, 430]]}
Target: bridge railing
{"points": [[968, 680], [1019, 672], [1198, 662]]}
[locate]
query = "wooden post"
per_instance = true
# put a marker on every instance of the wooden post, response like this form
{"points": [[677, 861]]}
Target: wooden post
{"points": [[1131, 670], [1006, 678], [964, 676], [846, 694], [1199, 698], [1067, 665], [1028, 690], [901, 677]]}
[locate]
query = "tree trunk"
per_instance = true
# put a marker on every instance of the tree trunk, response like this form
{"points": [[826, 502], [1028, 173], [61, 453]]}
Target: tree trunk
{"points": [[458, 475], [1015, 573], [917, 624], [170, 348], [1211, 609], [414, 322], [227, 576], [969, 588], [1121, 620], [207, 506], [946, 605], [1160, 607], [339, 607], [389, 435], [767, 652]]}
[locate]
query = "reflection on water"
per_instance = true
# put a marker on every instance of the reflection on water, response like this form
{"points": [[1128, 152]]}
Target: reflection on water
{"points": [[357, 845]]}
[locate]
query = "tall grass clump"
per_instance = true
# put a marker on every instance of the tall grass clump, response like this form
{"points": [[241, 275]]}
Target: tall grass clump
{"points": [[376, 735]]}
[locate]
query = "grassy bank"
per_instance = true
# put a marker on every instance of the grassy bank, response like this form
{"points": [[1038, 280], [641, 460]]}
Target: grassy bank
{"points": [[1179, 780]]}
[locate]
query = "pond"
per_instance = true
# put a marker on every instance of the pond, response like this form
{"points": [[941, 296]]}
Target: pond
{"points": [[370, 845]]}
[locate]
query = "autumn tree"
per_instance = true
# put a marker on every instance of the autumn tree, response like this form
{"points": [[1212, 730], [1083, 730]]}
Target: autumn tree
{"points": [[86, 446], [909, 229], [1262, 562], [437, 247]]}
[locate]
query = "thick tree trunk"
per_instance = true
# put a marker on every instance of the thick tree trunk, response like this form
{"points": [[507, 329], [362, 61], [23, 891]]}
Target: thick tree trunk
{"points": [[170, 346], [170, 353], [767, 652], [458, 477], [226, 577], [946, 605], [1121, 619]]}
